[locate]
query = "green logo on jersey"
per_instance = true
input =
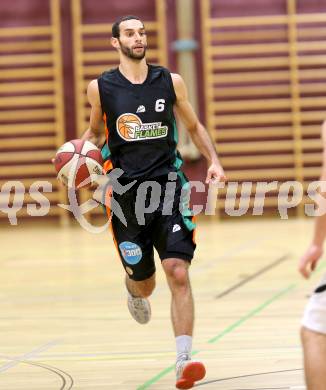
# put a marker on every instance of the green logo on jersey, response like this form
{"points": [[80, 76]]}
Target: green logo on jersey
{"points": [[151, 130]]}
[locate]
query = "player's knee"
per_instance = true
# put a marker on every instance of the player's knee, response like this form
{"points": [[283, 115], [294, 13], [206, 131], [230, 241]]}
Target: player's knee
{"points": [[177, 272]]}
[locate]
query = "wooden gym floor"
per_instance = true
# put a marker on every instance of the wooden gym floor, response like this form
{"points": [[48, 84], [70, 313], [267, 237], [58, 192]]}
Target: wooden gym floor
{"points": [[64, 323]]}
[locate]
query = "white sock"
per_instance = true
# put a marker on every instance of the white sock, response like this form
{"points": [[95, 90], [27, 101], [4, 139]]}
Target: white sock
{"points": [[184, 345]]}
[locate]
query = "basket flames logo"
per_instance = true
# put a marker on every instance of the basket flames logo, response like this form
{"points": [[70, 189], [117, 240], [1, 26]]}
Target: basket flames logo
{"points": [[131, 128]]}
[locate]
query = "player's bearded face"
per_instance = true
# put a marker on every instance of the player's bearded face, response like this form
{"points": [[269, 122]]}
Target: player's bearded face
{"points": [[135, 51]]}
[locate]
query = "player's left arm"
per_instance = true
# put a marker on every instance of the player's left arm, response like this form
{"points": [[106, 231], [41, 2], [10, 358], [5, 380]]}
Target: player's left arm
{"points": [[313, 254], [197, 131]]}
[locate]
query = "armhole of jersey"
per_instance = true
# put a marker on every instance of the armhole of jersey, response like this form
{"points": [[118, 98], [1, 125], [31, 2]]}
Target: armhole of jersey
{"points": [[173, 94], [99, 83]]}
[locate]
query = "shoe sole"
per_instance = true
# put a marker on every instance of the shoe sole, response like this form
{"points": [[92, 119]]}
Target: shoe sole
{"points": [[193, 372], [142, 318]]}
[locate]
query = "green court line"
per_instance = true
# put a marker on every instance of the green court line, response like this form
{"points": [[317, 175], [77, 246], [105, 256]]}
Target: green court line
{"points": [[155, 378], [227, 330], [251, 314]]}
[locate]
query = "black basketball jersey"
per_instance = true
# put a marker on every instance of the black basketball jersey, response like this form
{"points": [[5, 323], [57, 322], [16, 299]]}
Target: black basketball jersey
{"points": [[141, 132]]}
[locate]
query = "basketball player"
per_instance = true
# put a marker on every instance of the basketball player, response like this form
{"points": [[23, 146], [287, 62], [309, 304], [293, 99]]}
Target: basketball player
{"points": [[138, 101], [313, 331]]}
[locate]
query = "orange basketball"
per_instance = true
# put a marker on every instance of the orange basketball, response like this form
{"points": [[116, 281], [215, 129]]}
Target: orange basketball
{"points": [[125, 125]]}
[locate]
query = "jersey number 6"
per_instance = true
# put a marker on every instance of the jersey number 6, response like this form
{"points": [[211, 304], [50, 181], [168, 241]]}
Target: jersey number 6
{"points": [[159, 105]]}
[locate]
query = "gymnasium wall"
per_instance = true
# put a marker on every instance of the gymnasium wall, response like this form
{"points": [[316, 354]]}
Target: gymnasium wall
{"points": [[42, 102], [264, 67]]}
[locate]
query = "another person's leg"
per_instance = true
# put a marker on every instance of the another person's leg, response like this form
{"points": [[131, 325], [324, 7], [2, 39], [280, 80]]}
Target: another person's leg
{"points": [[314, 351], [313, 337]]}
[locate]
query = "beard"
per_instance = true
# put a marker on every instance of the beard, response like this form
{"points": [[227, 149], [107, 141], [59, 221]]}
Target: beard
{"points": [[128, 52]]}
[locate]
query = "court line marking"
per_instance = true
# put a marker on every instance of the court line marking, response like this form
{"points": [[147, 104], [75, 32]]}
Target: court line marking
{"points": [[28, 355], [253, 276], [227, 330], [252, 375], [66, 385], [251, 314], [127, 355], [67, 379]]}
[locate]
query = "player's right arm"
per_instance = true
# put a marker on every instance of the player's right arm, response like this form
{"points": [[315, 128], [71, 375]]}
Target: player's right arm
{"points": [[310, 259], [94, 133]]}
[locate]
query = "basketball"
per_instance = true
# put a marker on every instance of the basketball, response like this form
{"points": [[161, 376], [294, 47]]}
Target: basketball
{"points": [[76, 161]]}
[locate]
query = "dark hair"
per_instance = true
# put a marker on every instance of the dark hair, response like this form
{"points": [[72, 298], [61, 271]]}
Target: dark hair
{"points": [[116, 24]]}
